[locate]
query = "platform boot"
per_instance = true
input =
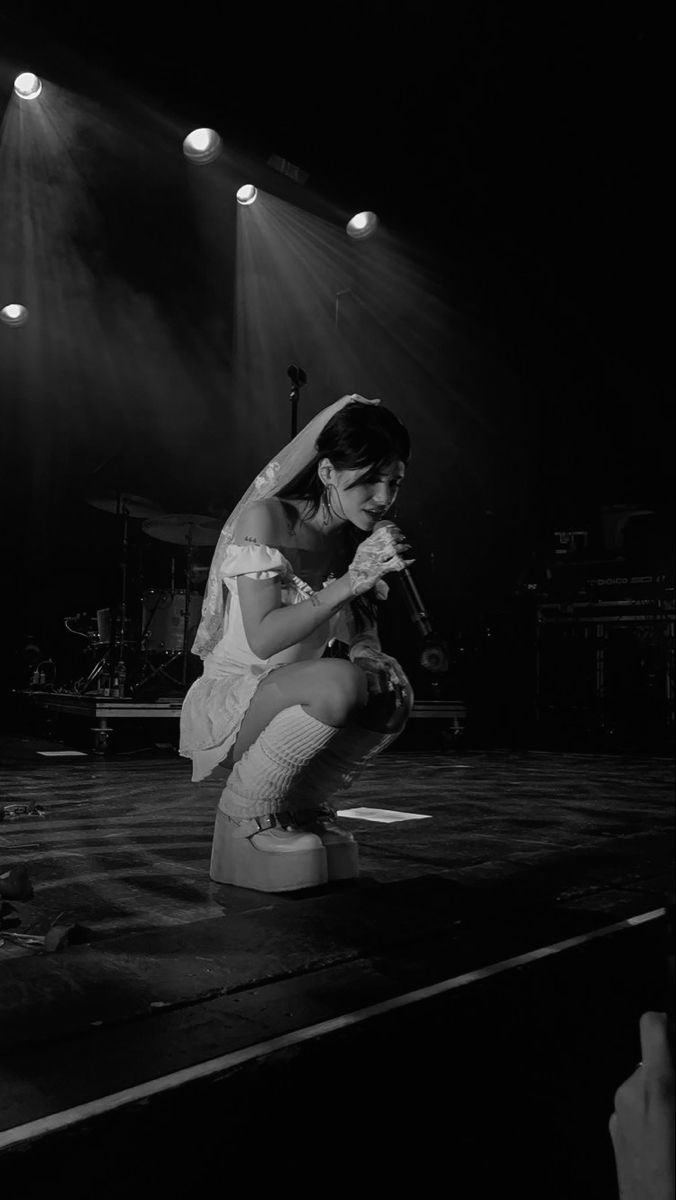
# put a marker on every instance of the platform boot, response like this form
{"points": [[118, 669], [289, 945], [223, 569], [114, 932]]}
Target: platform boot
{"points": [[256, 842], [333, 771]]}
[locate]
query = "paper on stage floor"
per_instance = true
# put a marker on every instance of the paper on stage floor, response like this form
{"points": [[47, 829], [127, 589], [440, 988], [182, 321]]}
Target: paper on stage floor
{"points": [[62, 753], [385, 816]]}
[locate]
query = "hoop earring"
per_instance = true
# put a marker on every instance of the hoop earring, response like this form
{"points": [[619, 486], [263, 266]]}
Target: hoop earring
{"points": [[326, 506]]}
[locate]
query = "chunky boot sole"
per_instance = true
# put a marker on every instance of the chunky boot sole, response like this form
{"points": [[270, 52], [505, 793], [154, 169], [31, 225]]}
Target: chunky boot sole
{"points": [[237, 861], [342, 857]]}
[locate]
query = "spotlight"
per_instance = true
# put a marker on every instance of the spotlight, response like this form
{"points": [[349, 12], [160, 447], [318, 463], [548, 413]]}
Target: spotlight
{"points": [[14, 314], [202, 146], [246, 194], [362, 225], [27, 86]]}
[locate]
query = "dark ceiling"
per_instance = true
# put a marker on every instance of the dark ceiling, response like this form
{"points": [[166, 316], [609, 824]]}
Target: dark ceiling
{"points": [[541, 140]]}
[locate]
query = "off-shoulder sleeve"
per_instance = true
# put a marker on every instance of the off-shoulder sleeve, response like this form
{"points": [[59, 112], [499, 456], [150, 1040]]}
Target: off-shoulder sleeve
{"points": [[255, 561]]}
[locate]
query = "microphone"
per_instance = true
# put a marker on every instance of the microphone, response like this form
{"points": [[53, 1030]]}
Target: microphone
{"points": [[297, 376], [417, 611]]}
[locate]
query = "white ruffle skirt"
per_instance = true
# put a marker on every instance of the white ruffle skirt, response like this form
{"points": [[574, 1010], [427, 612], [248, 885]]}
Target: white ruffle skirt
{"points": [[213, 710]]}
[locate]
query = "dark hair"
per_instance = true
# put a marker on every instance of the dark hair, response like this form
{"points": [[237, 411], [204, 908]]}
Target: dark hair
{"points": [[359, 435]]}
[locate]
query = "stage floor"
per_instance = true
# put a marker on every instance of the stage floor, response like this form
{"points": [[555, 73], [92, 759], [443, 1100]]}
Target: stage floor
{"points": [[560, 861]]}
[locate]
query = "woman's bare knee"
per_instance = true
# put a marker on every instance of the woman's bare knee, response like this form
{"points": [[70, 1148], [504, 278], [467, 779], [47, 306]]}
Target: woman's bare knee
{"points": [[338, 691], [331, 690]]}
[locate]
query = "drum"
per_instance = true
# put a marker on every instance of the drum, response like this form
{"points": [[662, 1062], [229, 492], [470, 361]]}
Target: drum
{"points": [[104, 626], [163, 619]]}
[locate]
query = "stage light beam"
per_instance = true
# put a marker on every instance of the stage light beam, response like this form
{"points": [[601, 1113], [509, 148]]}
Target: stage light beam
{"points": [[27, 86]]}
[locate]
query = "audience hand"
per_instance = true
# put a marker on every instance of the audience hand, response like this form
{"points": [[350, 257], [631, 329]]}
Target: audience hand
{"points": [[642, 1125]]}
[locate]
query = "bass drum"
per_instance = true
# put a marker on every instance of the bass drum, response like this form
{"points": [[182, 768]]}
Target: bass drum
{"points": [[104, 628], [163, 620]]}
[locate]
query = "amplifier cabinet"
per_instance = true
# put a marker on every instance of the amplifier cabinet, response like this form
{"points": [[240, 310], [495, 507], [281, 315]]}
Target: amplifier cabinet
{"points": [[606, 669]]}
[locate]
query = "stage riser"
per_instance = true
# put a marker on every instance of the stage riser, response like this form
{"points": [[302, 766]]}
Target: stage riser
{"points": [[106, 724]]}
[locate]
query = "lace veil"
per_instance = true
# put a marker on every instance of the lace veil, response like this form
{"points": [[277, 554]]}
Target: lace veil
{"points": [[278, 472]]}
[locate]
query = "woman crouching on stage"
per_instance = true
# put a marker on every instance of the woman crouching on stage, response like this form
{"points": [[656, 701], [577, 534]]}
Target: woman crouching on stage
{"points": [[300, 564]]}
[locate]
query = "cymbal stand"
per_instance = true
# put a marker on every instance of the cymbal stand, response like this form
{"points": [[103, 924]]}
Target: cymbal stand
{"points": [[111, 658], [82, 685], [183, 653], [147, 675], [159, 670], [188, 595], [123, 599], [145, 632]]}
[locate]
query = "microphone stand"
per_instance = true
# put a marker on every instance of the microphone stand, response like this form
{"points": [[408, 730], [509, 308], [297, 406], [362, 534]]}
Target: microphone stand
{"points": [[299, 379]]}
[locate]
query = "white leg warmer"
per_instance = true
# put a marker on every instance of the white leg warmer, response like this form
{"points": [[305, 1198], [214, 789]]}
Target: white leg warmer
{"points": [[336, 767], [293, 768], [259, 783]]}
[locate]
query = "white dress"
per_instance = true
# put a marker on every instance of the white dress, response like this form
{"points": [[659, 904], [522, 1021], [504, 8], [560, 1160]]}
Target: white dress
{"points": [[216, 703]]}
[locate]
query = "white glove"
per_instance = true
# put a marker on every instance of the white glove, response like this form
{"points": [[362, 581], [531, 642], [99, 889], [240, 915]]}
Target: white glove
{"points": [[376, 556]]}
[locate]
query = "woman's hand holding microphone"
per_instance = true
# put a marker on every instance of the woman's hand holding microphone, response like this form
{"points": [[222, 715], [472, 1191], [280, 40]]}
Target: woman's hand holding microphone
{"points": [[379, 554]]}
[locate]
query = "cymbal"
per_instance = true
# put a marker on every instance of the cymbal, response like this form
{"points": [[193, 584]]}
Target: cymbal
{"points": [[134, 506], [184, 528]]}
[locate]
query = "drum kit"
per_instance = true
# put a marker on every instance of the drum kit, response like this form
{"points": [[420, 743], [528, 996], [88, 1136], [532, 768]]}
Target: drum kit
{"points": [[169, 616]]}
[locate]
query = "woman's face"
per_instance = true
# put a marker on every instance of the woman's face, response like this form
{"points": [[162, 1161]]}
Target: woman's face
{"points": [[366, 502]]}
